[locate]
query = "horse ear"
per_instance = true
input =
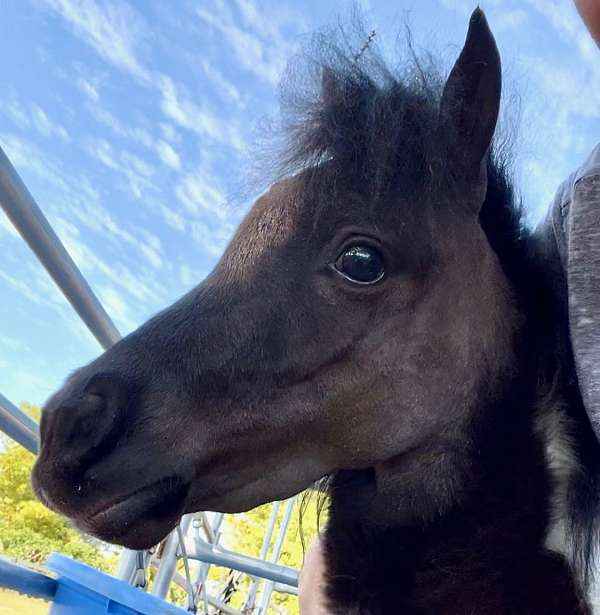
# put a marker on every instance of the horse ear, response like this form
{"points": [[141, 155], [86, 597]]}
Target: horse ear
{"points": [[471, 100]]}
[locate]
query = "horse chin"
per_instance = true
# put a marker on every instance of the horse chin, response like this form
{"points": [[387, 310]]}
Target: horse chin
{"points": [[242, 492], [140, 519]]}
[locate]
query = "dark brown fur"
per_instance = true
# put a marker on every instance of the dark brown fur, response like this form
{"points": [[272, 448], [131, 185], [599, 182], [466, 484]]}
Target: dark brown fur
{"points": [[420, 394]]}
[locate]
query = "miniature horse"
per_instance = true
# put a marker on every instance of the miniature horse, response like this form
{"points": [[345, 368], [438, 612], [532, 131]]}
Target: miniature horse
{"points": [[381, 317]]}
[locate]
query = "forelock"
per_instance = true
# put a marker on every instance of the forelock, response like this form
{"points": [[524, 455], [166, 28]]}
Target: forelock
{"points": [[375, 126]]}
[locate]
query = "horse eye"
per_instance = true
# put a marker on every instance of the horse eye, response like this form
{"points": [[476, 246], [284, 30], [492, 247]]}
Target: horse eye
{"points": [[361, 264]]}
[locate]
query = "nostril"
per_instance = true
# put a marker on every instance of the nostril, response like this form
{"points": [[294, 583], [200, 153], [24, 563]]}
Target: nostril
{"points": [[87, 425], [80, 421], [113, 396], [110, 388]]}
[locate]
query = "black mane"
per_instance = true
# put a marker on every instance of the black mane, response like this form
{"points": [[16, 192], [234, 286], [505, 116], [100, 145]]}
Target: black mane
{"points": [[342, 104]]}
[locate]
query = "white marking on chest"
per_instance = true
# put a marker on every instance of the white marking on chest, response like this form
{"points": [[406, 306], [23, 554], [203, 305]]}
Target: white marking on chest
{"points": [[561, 459]]}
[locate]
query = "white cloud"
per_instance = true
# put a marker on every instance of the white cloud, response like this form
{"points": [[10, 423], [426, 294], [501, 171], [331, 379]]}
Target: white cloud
{"points": [[70, 201], [462, 7], [179, 108], [173, 219], [197, 193], [51, 295], [95, 217], [103, 151], [152, 256], [169, 133], [139, 285], [15, 113], [136, 172], [116, 31], [261, 41], [509, 19], [44, 126], [24, 155], [32, 116], [26, 277], [564, 19], [152, 240], [560, 86], [224, 88], [500, 16], [38, 288], [105, 117], [113, 30], [116, 307], [20, 286], [140, 166], [92, 214], [168, 155], [265, 62], [13, 344], [562, 15], [77, 202], [89, 89]]}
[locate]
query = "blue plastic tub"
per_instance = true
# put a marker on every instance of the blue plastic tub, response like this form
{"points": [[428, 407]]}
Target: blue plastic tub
{"points": [[77, 589]]}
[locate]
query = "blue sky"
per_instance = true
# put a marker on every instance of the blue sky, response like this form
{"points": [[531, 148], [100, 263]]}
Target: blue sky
{"points": [[132, 124]]}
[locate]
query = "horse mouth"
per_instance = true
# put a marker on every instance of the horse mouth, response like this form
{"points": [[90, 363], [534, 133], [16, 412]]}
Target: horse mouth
{"points": [[140, 519]]}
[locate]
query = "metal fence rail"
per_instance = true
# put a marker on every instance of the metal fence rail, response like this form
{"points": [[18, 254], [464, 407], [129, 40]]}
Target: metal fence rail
{"points": [[18, 426], [32, 225], [30, 222]]}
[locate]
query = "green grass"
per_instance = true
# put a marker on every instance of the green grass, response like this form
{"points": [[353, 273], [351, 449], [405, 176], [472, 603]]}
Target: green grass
{"points": [[12, 603]]}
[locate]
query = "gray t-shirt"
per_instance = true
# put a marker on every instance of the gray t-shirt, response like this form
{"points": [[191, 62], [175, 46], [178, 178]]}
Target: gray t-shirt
{"points": [[570, 238]]}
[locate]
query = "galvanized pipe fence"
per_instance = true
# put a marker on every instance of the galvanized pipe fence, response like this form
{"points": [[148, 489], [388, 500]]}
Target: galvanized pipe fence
{"points": [[204, 545]]}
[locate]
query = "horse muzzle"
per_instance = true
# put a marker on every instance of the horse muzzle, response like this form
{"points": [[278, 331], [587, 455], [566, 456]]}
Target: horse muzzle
{"points": [[88, 472]]}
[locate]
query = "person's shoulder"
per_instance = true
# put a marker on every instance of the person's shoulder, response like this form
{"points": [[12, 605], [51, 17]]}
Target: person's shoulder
{"points": [[574, 198], [571, 191], [566, 191], [590, 168]]}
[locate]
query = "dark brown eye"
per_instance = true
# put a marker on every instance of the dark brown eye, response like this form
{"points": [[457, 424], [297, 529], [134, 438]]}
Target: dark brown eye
{"points": [[362, 264]]}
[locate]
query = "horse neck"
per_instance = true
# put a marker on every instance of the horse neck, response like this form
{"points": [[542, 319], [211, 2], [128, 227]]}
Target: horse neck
{"points": [[486, 553]]}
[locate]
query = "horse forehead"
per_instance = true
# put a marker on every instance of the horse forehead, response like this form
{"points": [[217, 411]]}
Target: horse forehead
{"points": [[272, 222]]}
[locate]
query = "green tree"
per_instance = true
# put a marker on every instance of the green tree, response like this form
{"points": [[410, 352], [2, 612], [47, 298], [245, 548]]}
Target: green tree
{"points": [[28, 530]]}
